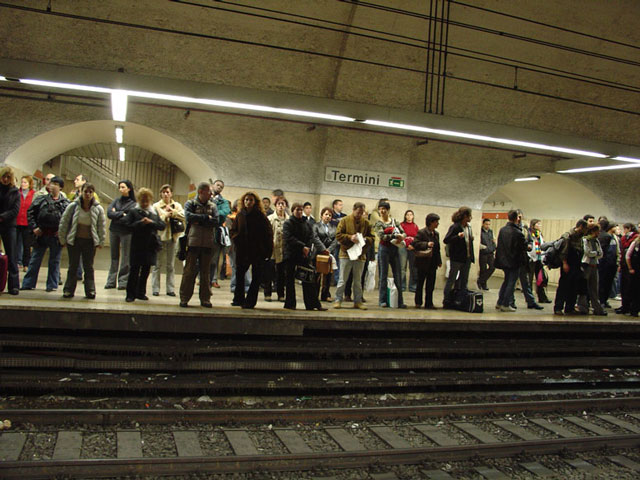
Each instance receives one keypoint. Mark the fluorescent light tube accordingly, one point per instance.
(597, 169)
(527, 179)
(121, 153)
(627, 159)
(3, 79)
(66, 86)
(119, 105)
(119, 134)
(484, 138)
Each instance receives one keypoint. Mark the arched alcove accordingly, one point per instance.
(32, 154)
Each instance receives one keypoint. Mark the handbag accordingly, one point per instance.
(183, 245)
(305, 274)
(176, 225)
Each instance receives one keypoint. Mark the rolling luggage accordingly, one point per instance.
(465, 301)
(4, 266)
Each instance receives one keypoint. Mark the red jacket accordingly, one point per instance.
(25, 203)
(625, 241)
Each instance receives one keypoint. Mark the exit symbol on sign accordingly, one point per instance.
(396, 182)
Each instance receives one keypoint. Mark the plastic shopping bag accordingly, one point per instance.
(370, 277)
(392, 293)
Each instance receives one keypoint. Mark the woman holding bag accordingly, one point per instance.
(428, 259)
(391, 237)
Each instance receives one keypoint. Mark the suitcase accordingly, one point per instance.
(4, 267)
(465, 301)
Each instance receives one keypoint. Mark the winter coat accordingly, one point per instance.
(327, 238)
(458, 245)
(202, 220)
(277, 224)
(45, 213)
(592, 251)
(609, 250)
(252, 237)
(178, 213)
(487, 240)
(298, 234)
(25, 203)
(122, 206)
(69, 223)
(346, 228)
(144, 238)
(224, 208)
(9, 206)
(420, 242)
(511, 252)
(411, 230)
(382, 231)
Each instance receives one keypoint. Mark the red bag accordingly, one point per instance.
(4, 266)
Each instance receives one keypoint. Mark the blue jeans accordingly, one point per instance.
(31, 277)
(408, 257)
(505, 297)
(389, 256)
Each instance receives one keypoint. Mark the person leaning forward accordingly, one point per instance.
(346, 232)
(201, 215)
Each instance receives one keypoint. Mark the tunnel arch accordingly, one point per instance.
(31, 155)
(554, 196)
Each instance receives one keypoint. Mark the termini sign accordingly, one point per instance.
(363, 177)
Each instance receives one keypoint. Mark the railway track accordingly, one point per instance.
(217, 442)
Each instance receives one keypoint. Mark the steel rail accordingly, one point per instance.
(253, 416)
(292, 462)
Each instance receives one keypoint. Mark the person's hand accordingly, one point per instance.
(410, 247)
(565, 267)
(324, 252)
(37, 232)
(354, 237)
(632, 271)
(439, 265)
(99, 247)
(430, 244)
(113, 209)
(305, 251)
(461, 234)
(146, 220)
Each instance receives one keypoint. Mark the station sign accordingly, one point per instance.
(364, 177)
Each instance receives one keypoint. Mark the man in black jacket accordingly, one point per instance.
(511, 254)
(487, 254)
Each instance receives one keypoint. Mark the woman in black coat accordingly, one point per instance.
(427, 238)
(299, 239)
(144, 222)
(9, 208)
(326, 233)
(253, 244)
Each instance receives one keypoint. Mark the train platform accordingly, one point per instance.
(38, 309)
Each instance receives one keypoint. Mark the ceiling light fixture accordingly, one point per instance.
(532, 178)
(484, 138)
(3, 79)
(121, 154)
(119, 134)
(119, 100)
(66, 86)
(627, 159)
(597, 169)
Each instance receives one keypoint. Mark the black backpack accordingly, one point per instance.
(552, 255)
(50, 213)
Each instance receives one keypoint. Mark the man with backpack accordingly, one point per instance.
(571, 276)
(44, 216)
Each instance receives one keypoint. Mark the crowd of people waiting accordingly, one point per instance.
(272, 245)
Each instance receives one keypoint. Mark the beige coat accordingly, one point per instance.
(278, 241)
(178, 212)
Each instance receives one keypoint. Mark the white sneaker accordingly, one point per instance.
(507, 309)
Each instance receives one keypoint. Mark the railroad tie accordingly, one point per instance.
(435, 435)
(620, 423)
(347, 442)
(491, 473)
(241, 442)
(292, 441)
(537, 469)
(390, 437)
(383, 476)
(11, 444)
(582, 466)
(68, 446)
(517, 430)
(129, 444)
(476, 432)
(187, 443)
(591, 427)
(554, 428)
(625, 462)
(437, 475)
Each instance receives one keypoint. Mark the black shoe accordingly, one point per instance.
(402, 306)
(601, 314)
(26, 288)
(142, 297)
(90, 296)
(267, 299)
(431, 307)
(234, 304)
(535, 306)
(156, 294)
(184, 304)
(558, 312)
(171, 294)
(206, 304)
(619, 310)
(248, 307)
(108, 287)
(14, 291)
(513, 306)
(50, 290)
(130, 299)
(67, 295)
(607, 305)
(321, 309)
(281, 299)
(289, 308)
